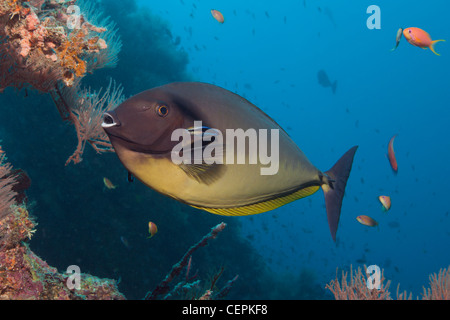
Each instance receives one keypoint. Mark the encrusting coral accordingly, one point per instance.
(50, 46)
(24, 275)
(46, 40)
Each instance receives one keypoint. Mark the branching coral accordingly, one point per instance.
(439, 286)
(104, 58)
(84, 109)
(24, 275)
(357, 288)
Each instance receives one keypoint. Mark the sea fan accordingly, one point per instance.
(85, 108)
(6, 183)
(108, 57)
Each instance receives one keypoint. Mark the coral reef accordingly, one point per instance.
(439, 286)
(24, 275)
(84, 109)
(45, 41)
(50, 46)
(357, 288)
(69, 201)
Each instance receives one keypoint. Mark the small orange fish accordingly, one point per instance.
(152, 229)
(419, 38)
(391, 155)
(386, 202)
(218, 16)
(108, 183)
(367, 221)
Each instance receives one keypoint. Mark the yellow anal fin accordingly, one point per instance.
(264, 206)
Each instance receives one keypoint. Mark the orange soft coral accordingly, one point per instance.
(42, 38)
(69, 53)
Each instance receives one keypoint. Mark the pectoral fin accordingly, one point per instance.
(204, 173)
(130, 177)
(206, 155)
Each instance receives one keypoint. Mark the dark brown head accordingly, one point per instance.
(145, 122)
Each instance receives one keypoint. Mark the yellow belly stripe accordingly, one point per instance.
(264, 206)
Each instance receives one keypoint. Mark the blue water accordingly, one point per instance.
(270, 53)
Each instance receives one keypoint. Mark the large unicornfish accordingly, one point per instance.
(140, 130)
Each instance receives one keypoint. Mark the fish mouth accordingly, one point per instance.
(110, 121)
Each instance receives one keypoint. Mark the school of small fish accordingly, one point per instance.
(384, 200)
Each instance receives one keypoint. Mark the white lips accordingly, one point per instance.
(108, 125)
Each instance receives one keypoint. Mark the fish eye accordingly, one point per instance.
(162, 110)
(409, 31)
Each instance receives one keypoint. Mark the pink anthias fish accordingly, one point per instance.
(108, 184)
(386, 202)
(391, 155)
(367, 221)
(152, 229)
(218, 16)
(420, 38)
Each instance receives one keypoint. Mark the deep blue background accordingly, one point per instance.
(270, 52)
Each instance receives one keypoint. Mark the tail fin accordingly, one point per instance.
(333, 87)
(334, 188)
(432, 46)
